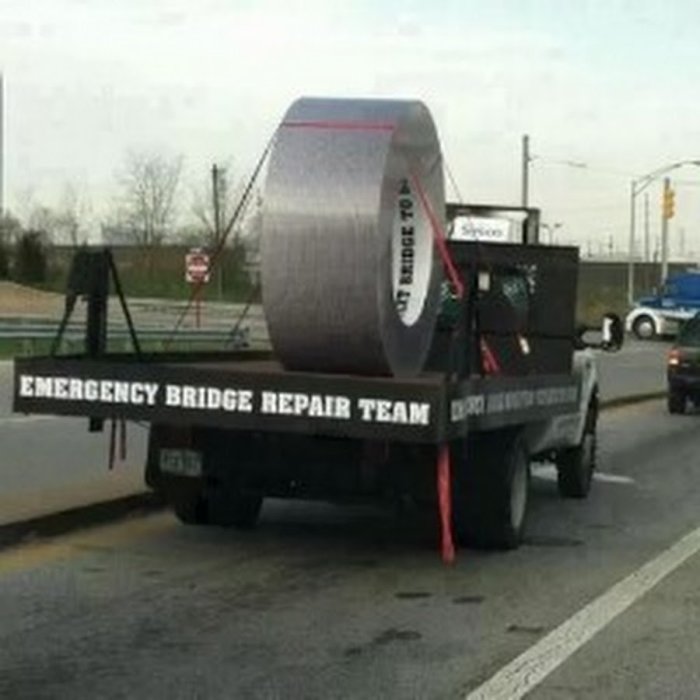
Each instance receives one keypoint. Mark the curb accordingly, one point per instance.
(106, 512)
(622, 401)
(93, 515)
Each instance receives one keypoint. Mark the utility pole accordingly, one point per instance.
(215, 189)
(525, 186)
(647, 242)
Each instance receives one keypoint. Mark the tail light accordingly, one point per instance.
(674, 358)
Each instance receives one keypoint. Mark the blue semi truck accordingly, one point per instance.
(661, 313)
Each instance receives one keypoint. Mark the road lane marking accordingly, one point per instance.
(612, 478)
(548, 472)
(528, 670)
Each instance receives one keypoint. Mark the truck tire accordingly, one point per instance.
(490, 492)
(230, 506)
(575, 466)
(224, 505)
(186, 500)
(676, 401)
(644, 327)
(191, 511)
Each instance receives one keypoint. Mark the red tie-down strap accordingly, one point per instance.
(491, 364)
(440, 239)
(444, 476)
(444, 490)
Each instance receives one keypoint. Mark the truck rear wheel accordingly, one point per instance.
(229, 505)
(491, 491)
(185, 496)
(191, 511)
(575, 466)
(215, 504)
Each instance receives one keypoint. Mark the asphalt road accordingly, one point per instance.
(639, 368)
(50, 464)
(325, 602)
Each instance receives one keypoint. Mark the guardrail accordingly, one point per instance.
(31, 331)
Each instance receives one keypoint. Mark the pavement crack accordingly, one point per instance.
(412, 595)
(384, 638)
(469, 600)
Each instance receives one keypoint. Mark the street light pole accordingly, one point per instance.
(630, 262)
(525, 182)
(647, 243)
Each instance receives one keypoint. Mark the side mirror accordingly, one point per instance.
(613, 333)
(609, 336)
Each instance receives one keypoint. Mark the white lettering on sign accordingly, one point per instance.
(197, 266)
(556, 395)
(192, 397)
(284, 403)
(510, 401)
(397, 412)
(91, 390)
(474, 405)
(209, 398)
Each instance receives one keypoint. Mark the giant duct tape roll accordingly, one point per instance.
(353, 199)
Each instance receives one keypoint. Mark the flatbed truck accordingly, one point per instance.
(509, 380)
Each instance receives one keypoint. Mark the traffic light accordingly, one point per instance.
(669, 202)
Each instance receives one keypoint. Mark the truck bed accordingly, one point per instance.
(252, 391)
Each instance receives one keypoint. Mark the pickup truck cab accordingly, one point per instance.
(660, 313)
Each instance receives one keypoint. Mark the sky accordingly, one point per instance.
(606, 90)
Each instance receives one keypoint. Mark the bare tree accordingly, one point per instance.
(62, 224)
(44, 219)
(10, 232)
(73, 209)
(149, 184)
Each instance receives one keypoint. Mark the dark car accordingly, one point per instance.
(684, 367)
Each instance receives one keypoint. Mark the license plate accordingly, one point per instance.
(181, 462)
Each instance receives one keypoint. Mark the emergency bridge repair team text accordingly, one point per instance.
(208, 398)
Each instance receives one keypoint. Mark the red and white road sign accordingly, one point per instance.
(197, 266)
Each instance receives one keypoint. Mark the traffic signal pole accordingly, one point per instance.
(666, 213)
(637, 186)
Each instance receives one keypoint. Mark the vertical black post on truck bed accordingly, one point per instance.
(89, 278)
(122, 301)
(97, 290)
(462, 348)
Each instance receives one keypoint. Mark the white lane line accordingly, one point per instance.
(529, 669)
(612, 478)
(548, 472)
